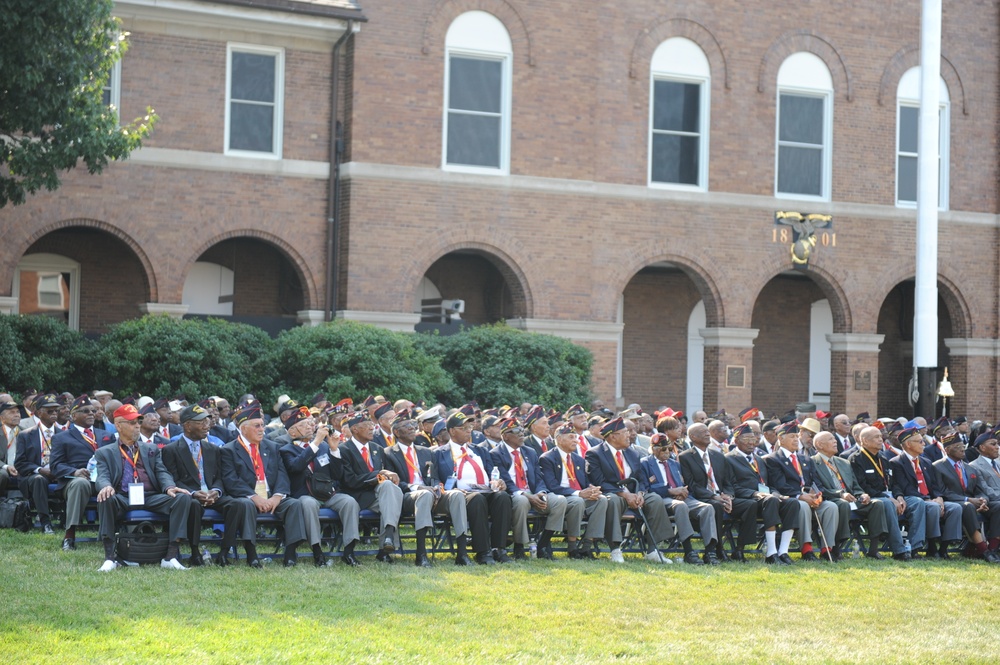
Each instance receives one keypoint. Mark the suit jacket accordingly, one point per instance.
(550, 465)
(602, 470)
(932, 453)
(395, 461)
(871, 481)
(988, 476)
(4, 457)
(652, 469)
(297, 459)
(783, 477)
(70, 451)
(829, 483)
(239, 477)
(696, 479)
(379, 438)
(158, 440)
(181, 465)
(533, 442)
(904, 478)
(745, 479)
(951, 484)
(110, 467)
(223, 433)
(357, 480)
(502, 459)
(29, 452)
(840, 443)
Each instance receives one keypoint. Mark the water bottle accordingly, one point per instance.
(205, 556)
(92, 469)
(532, 546)
(906, 545)
(495, 474)
(856, 550)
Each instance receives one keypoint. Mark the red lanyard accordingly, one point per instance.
(134, 461)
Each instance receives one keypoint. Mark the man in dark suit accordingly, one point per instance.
(538, 425)
(196, 466)
(519, 470)
(10, 417)
(942, 430)
(372, 485)
(133, 474)
(422, 493)
(709, 479)
(71, 453)
(252, 469)
(616, 468)
(468, 468)
(750, 482)
(167, 429)
(986, 463)
(842, 432)
(33, 460)
(962, 485)
(564, 473)
(314, 474)
(149, 427)
(790, 473)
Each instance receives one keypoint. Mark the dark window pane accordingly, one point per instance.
(474, 85)
(676, 106)
(801, 119)
(252, 77)
(906, 179)
(473, 140)
(675, 159)
(106, 97)
(909, 118)
(800, 171)
(251, 127)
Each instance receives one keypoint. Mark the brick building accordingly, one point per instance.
(607, 172)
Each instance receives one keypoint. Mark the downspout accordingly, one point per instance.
(333, 197)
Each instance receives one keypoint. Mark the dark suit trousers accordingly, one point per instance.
(744, 516)
(489, 520)
(234, 515)
(112, 510)
(773, 511)
(36, 487)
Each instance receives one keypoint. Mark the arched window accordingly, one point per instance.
(477, 92)
(48, 285)
(804, 128)
(907, 123)
(679, 115)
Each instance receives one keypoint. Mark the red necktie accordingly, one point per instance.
(710, 472)
(620, 461)
(467, 459)
(411, 464)
(666, 474)
(165, 431)
(545, 448)
(520, 478)
(795, 463)
(364, 456)
(571, 473)
(921, 481)
(258, 463)
(582, 445)
(88, 434)
(961, 476)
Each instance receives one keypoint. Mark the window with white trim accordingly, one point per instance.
(679, 115)
(907, 125)
(111, 92)
(254, 96)
(477, 95)
(48, 285)
(804, 136)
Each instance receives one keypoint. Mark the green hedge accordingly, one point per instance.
(161, 356)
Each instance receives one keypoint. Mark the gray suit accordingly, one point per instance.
(989, 475)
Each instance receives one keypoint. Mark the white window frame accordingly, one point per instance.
(806, 90)
(279, 97)
(52, 263)
(505, 57)
(114, 87)
(42, 276)
(704, 119)
(944, 141)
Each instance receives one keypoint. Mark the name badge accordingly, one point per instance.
(854, 505)
(869, 470)
(136, 497)
(761, 487)
(261, 489)
(323, 459)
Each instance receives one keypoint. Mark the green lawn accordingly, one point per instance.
(58, 609)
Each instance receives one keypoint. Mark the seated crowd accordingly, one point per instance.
(496, 473)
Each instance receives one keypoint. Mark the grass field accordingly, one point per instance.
(58, 609)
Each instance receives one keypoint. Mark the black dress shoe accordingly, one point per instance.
(47, 529)
(722, 556)
(69, 544)
(712, 559)
(350, 560)
(291, 563)
(500, 556)
(902, 556)
(463, 560)
(809, 556)
(195, 560)
(991, 556)
(837, 554)
(875, 555)
(692, 558)
(485, 559)
(255, 563)
(223, 560)
(388, 547)
(319, 560)
(545, 552)
(785, 559)
(738, 557)
(772, 560)
(422, 561)
(384, 556)
(519, 554)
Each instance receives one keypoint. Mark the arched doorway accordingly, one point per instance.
(895, 358)
(246, 280)
(659, 305)
(86, 277)
(487, 288)
(791, 355)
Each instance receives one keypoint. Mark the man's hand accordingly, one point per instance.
(590, 493)
(390, 476)
(105, 494)
(44, 472)
(727, 502)
(203, 497)
(174, 491)
(865, 499)
(537, 502)
(901, 505)
(11, 471)
(632, 500)
(849, 498)
(679, 493)
(260, 504)
(272, 503)
(82, 473)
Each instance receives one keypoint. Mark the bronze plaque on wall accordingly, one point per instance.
(736, 376)
(862, 380)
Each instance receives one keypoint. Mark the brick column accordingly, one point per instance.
(972, 371)
(728, 368)
(854, 372)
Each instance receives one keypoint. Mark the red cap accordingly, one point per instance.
(126, 411)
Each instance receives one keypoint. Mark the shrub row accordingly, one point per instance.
(157, 355)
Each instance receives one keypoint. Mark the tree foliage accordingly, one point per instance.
(55, 58)
(42, 353)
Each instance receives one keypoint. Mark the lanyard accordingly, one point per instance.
(133, 460)
(876, 463)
